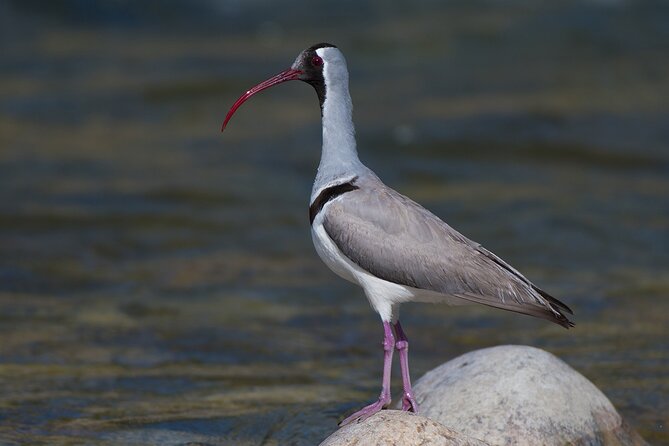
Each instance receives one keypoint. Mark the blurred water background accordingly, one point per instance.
(158, 284)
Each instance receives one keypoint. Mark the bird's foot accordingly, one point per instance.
(367, 411)
(409, 402)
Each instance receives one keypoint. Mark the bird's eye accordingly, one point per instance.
(316, 61)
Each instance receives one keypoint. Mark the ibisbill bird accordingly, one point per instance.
(391, 246)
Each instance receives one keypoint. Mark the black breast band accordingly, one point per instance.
(327, 194)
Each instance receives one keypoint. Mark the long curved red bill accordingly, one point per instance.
(286, 75)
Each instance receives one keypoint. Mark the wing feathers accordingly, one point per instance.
(398, 240)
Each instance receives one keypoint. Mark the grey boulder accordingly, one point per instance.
(519, 395)
(396, 428)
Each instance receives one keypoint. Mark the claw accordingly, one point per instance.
(367, 411)
(409, 402)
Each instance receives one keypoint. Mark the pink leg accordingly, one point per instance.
(402, 346)
(384, 398)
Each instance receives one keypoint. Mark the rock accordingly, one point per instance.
(518, 395)
(396, 428)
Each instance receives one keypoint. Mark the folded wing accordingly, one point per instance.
(398, 240)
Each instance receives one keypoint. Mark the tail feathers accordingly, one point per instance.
(561, 319)
(556, 304)
(558, 307)
(553, 312)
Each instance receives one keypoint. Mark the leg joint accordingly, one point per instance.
(388, 343)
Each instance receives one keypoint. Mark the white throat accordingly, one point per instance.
(339, 156)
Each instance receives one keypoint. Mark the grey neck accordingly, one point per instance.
(339, 156)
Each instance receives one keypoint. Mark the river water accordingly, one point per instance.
(157, 279)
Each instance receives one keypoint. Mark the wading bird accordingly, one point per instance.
(395, 249)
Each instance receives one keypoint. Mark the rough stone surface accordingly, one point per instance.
(396, 428)
(519, 395)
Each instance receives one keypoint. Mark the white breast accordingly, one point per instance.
(382, 295)
(330, 254)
